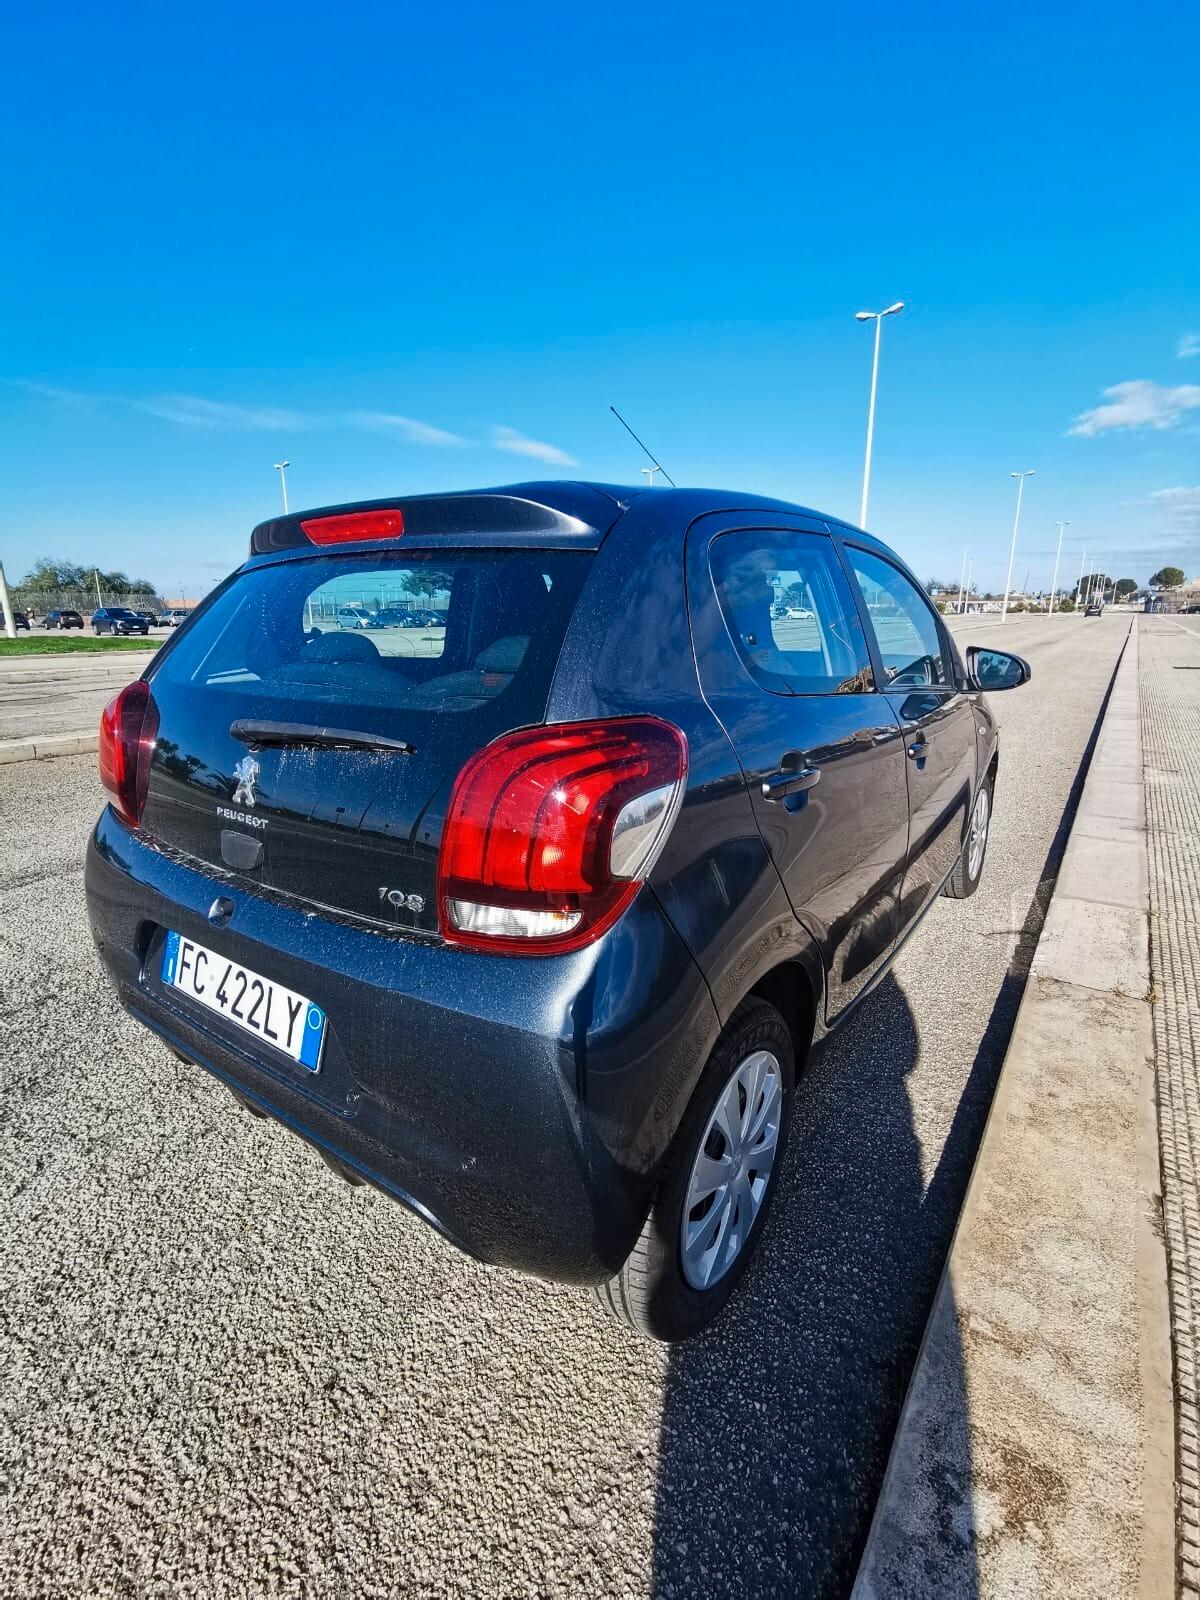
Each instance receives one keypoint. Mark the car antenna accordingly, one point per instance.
(655, 465)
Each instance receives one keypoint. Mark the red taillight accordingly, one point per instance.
(128, 730)
(550, 832)
(354, 525)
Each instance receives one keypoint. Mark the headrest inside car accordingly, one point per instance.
(505, 655)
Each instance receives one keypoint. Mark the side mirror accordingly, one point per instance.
(996, 669)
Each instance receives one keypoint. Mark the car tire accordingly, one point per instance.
(968, 869)
(656, 1292)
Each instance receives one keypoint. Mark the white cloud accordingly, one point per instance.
(1182, 506)
(49, 392)
(518, 445)
(193, 411)
(407, 427)
(1189, 346)
(1138, 404)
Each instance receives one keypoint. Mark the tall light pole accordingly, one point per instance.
(1079, 585)
(650, 471)
(876, 317)
(10, 626)
(962, 576)
(281, 468)
(1057, 556)
(1012, 549)
(967, 590)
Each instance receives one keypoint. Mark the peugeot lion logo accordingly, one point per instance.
(246, 772)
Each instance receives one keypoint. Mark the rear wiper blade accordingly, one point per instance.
(304, 736)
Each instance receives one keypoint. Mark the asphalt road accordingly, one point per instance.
(223, 1372)
(64, 693)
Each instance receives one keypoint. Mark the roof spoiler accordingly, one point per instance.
(566, 516)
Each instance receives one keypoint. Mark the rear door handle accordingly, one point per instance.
(793, 777)
(918, 749)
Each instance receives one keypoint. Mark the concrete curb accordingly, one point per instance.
(1035, 1449)
(46, 746)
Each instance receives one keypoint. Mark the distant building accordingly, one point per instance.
(1177, 599)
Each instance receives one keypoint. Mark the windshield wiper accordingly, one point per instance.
(303, 736)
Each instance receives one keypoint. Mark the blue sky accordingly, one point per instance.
(415, 248)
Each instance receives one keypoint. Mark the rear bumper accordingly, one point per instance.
(521, 1106)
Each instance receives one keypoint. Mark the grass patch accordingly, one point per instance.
(67, 644)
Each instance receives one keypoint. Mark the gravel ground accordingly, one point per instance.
(224, 1373)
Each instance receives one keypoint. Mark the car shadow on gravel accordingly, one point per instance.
(777, 1424)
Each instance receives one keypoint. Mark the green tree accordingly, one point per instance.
(423, 580)
(1167, 578)
(1127, 586)
(117, 583)
(1065, 604)
(47, 575)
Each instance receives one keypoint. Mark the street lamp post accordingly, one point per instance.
(876, 317)
(1012, 549)
(281, 468)
(1057, 556)
(962, 576)
(10, 626)
(1079, 585)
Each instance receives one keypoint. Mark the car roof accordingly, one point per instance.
(557, 513)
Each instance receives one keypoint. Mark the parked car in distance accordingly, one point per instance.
(63, 619)
(150, 618)
(390, 617)
(118, 620)
(354, 617)
(173, 616)
(20, 620)
(1191, 611)
(535, 930)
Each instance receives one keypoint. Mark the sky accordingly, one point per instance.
(412, 248)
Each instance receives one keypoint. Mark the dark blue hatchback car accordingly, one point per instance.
(529, 916)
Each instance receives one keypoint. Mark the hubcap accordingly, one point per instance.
(977, 838)
(732, 1169)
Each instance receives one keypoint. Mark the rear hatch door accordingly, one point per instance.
(312, 719)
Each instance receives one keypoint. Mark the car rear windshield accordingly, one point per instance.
(390, 639)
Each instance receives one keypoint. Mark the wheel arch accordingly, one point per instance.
(795, 987)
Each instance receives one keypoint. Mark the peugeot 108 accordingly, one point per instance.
(531, 919)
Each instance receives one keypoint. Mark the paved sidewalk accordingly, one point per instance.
(1170, 708)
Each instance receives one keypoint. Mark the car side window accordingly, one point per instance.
(906, 630)
(789, 612)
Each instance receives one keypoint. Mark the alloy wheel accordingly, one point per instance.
(732, 1170)
(977, 837)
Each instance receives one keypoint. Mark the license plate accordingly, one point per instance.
(254, 1004)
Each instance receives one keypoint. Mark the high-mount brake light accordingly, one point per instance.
(128, 731)
(351, 526)
(551, 832)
